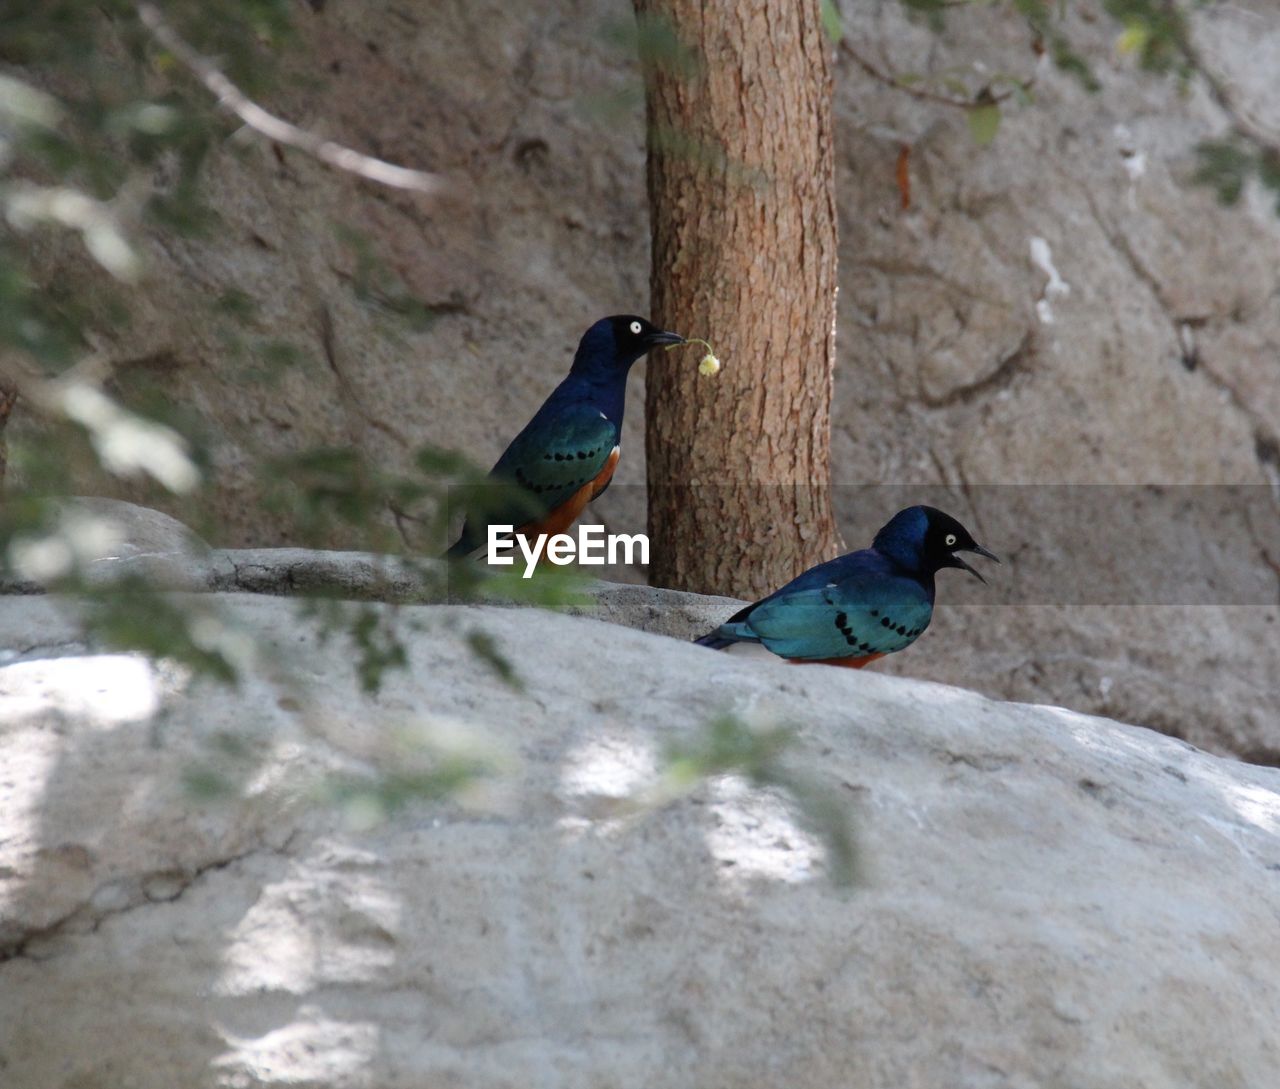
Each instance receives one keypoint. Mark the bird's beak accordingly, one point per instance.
(656, 340)
(981, 552)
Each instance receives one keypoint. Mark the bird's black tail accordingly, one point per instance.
(460, 549)
(714, 640)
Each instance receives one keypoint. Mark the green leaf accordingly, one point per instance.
(1224, 167)
(1071, 62)
(1134, 38)
(831, 21)
(932, 10)
(484, 648)
(984, 121)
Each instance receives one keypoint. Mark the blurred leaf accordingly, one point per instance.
(1073, 63)
(1269, 172)
(439, 462)
(1133, 39)
(28, 205)
(831, 21)
(152, 119)
(378, 645)
(129, 615)
(728, 746)
(206, 784)
(933, 11)
(129, 444)
(484, 648)
(375, 284)
(370, 800)
(1224, 166)
(236, 304)
(277, 354)
(1036, 12)
(654, 40)
(984, 122)
(21, 104)
(1153, 31)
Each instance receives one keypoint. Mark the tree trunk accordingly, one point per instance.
(742, 201)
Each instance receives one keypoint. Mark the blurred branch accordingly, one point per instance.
(984, 97)
(277, 129)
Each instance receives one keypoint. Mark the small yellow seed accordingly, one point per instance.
(709, 364)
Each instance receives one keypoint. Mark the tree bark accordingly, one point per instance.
(742, 202)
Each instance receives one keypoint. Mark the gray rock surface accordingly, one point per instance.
(1049, 898)
(1157, 367)
(969, 645)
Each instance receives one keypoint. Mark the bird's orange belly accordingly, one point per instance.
(849, 663)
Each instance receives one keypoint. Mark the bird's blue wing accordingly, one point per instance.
(871, 613)
(563, 448)
(559, 452)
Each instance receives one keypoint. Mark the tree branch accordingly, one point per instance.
(984, 97)
(277, 129)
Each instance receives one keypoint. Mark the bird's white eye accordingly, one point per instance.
(636, 327)
(950, 540)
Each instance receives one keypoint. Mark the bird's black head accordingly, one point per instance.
(617, 342)
(925, 539)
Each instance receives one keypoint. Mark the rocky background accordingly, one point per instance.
(1044, 898)
(1147, 356)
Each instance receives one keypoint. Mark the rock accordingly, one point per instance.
(111, 541)
(968, 644)
(665, 612)
(134, 530)
(351, 575)
(1042, 892)
(105, 541)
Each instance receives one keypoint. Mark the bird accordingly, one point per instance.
(567, 453)
(863, 605)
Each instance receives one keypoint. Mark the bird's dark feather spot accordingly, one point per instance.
(885, 622)
(902, 629)
(875, 612)
(841, 620)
